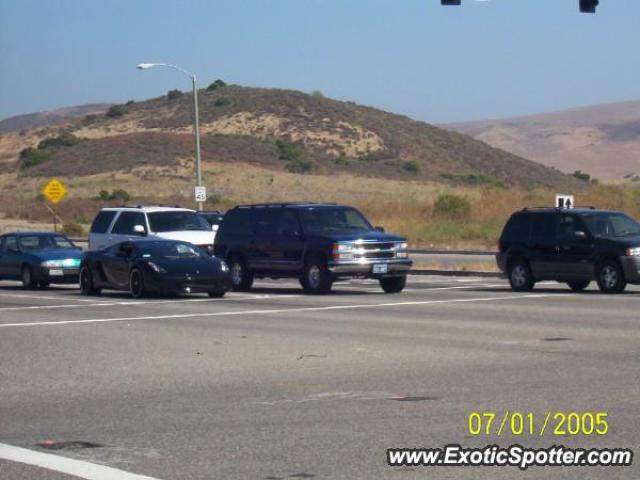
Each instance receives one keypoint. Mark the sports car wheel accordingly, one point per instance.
(86, 282)
(136, 284)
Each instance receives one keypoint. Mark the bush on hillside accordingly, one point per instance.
(452, 206)
(299, 166)
(63, 140)
(72, 229)
(116, 111)
(412, 166)
(221, 102)
(174, 94)
(30, 157)
(117, 194)
(216, 85)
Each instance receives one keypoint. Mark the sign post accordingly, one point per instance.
(54, 191)
(201, 194)
(564, 200)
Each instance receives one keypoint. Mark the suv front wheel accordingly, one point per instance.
(610, 277)
(241, 278)
(316, 277)
(520, 277)
(393, 284)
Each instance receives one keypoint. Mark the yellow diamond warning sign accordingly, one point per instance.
(54, 190)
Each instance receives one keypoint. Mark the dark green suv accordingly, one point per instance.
(575, 246)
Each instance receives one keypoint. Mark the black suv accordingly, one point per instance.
(317, 243)
(574, 246)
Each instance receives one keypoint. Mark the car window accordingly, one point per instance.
(174, 221)
(236, 222)
(288, 222)
(543, 228)
(611, 225)
(567, 227)
(170, 250)
(126, 221)
(10, 244)
(333, 220)
(102, 221)
(37, 242)
(517, 229)
(265, 220)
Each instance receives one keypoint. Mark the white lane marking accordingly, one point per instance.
(45, 297)
(272, 311)
(149, 302)
(70, 466)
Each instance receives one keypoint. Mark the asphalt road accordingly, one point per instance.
(274, 384)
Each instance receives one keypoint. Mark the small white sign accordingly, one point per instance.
(565, 201)
(201, 194)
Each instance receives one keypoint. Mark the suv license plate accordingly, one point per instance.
(380, 268)
(56, 273)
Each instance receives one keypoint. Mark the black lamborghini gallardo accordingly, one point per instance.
(154, 266)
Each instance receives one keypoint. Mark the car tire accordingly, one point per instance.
(86, 282)
(217, 294)
(578, 285)
(241, 278)
(136, 284)
(520, 277)
(393, 284)
(316, 278)
(610, 277)
(28, 281)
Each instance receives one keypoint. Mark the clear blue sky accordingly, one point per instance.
(482, 60)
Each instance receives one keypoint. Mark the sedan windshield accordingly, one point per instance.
(170, 250)
(611, 225)
(176, 221)
(322, 221)
(39, 242)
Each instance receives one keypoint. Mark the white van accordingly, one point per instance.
(115, 225)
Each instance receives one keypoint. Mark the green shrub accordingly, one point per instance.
(63, 140)
(290, 152)
(317, 94)
(174, 94)
(412, 166)
(216, 85)
(452, 206)
(30, 157)
(120, 194)
(130, 102)
(342, 160)
(585, 177)
(116, 111)
(72, 229)
(221, 102)
(299, 166)
(104, 195)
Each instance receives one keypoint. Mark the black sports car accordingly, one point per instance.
(159, 266)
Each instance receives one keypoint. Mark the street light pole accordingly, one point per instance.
(196, 116)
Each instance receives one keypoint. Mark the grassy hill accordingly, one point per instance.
(51, 117)
(281, 130)
(601, 140)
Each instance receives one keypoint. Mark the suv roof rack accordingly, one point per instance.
(284, 204)
(559, 209)
(150, 205)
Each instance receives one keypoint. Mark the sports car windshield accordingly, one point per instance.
(321, 221)
(176, 221)
(170, 250)
(39, 242)
(611, 225)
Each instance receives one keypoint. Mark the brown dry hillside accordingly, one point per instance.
(276, 129)
(603, 140)
(50, 117)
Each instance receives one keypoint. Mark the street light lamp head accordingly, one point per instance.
(145, 66)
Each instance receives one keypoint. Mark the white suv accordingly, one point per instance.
(114, 225)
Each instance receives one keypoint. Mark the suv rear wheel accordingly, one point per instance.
(520, 277)
(393, 284)
(316, 277)
(578, 285)
(241, 278)
(610, 277)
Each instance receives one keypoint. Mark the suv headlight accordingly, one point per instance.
(633, 252)
(156, 267)
(401, 250)
(343, 251)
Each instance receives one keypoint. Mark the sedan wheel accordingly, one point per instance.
(28, 281)
(611, 278)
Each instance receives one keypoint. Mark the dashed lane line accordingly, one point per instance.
(70, 466)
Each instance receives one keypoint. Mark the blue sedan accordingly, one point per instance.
(39, 258)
